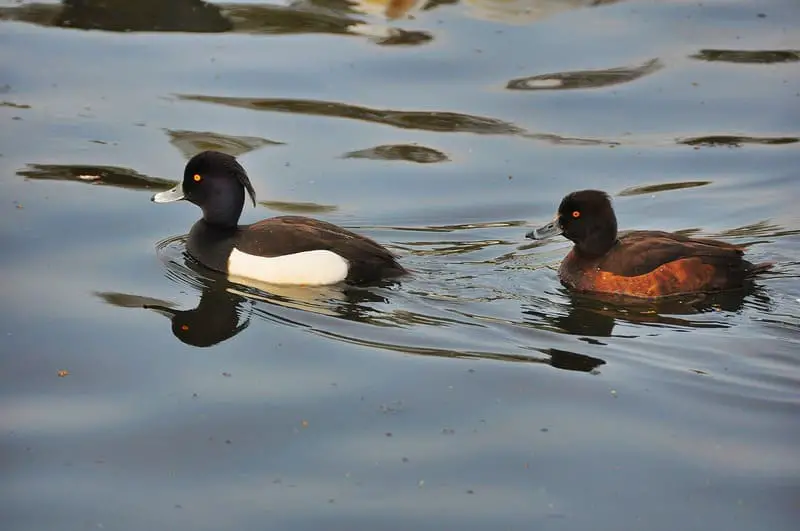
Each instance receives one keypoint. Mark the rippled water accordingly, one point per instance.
(139, 391)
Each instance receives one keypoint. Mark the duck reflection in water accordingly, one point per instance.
(334, 17)
(143, 15)
(225, 308)
(596, 316)
(219, 316)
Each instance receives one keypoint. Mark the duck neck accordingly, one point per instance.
(594, 249)
(224, 212)
(598, 241)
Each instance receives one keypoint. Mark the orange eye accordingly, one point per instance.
(576, 214)
(197, 177)
(184, 327)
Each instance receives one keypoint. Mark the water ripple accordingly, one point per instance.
(95, 174)
(737, 141)
(406, 152)
(583, 79)
(225, 309)
(748, 56)
(192, 142)
(664, 187)
(197, 16)
(435, 121)
(390, 316)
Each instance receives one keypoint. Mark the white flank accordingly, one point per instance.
(310, 268)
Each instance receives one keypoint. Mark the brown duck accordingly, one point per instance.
(643, 264)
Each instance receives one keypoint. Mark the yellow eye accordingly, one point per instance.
(576, 214)
(197, 177)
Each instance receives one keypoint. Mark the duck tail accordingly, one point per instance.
(757, 269)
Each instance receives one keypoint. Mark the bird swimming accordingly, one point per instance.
(281, 250)
(644, 264)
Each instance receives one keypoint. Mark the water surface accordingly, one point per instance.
(476, 393)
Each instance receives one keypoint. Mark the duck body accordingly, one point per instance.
(281, 250)
(291, 250)
(654, 264)
(640, 264)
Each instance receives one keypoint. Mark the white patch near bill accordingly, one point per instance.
(310, 268)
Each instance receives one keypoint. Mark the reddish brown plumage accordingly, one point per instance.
(685, 275)
(644, 264)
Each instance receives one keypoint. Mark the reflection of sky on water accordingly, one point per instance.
(476, 394)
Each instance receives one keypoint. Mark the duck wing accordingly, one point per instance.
(284, 235)
(640, 252)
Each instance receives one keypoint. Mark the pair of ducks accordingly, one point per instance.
(300, 250)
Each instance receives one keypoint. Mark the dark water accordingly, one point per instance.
(476, 394)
